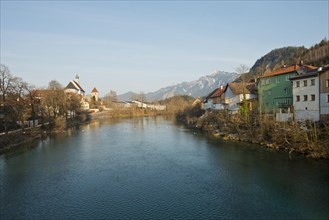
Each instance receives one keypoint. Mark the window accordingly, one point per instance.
(269, 92)
(305, 98)
(327, 98)
(268, 81)
(305, 82)
(297, 98)
(312, 82)
(277, 80)
(312, 97)
(287, 78)
(327, 83)
(297, 83)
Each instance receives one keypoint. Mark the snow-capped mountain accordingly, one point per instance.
(201, 87)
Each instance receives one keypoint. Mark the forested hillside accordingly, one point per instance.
(317, 55)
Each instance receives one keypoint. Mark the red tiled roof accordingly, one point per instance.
(288, 69)
(94, 90)
(218, 92)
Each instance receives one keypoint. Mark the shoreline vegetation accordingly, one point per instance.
(21, 137)
(308, 139)
(60, 121)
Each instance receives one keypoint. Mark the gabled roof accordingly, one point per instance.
(310, 73)
(214, 92)
(94, 90)
(307, 74)
(210, 94)
(242, 88)
(74, 85)
(218, 92)
(288, 69)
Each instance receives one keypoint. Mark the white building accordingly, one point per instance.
(236, 92)
(74, 87)
(85, 105)
(305, 90)
(216, 99)
(150, 106)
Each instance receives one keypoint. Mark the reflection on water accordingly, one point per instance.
(150, 168)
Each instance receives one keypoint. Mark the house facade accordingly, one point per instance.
(275, 88)
(236, 93)
(305, 90)
(216, 99)
(324, 93)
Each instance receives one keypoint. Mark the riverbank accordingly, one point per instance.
(14, 140)
(125, 113)
(308, 139)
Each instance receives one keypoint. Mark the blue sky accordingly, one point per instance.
(142, 46)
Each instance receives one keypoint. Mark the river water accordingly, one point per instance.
(150, 168)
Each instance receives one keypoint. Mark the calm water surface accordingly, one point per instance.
(150, 168)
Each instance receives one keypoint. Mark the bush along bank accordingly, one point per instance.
(305, 138)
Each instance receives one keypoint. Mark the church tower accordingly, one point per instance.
(95, 94)
(77, 79)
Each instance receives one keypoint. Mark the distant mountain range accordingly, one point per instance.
(201, 87)
(317, 55)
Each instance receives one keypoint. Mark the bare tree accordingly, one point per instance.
(54, 99)
(6, 87)
(32, 101)
(111, 96)
(72, 103)
(242, 70)
(55, 85)
(19, 103)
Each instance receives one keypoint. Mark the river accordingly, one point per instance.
(151, 168)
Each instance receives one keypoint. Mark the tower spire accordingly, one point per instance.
(77, 78)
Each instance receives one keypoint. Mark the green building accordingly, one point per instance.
(275, 88)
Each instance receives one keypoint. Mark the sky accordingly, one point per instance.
(143, 46)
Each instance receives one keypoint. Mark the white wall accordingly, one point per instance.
(306, 110)
(232, 99)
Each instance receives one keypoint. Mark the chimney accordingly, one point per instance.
(221, 87)
(301, 62)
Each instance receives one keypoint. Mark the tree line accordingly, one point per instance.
(21, 101)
